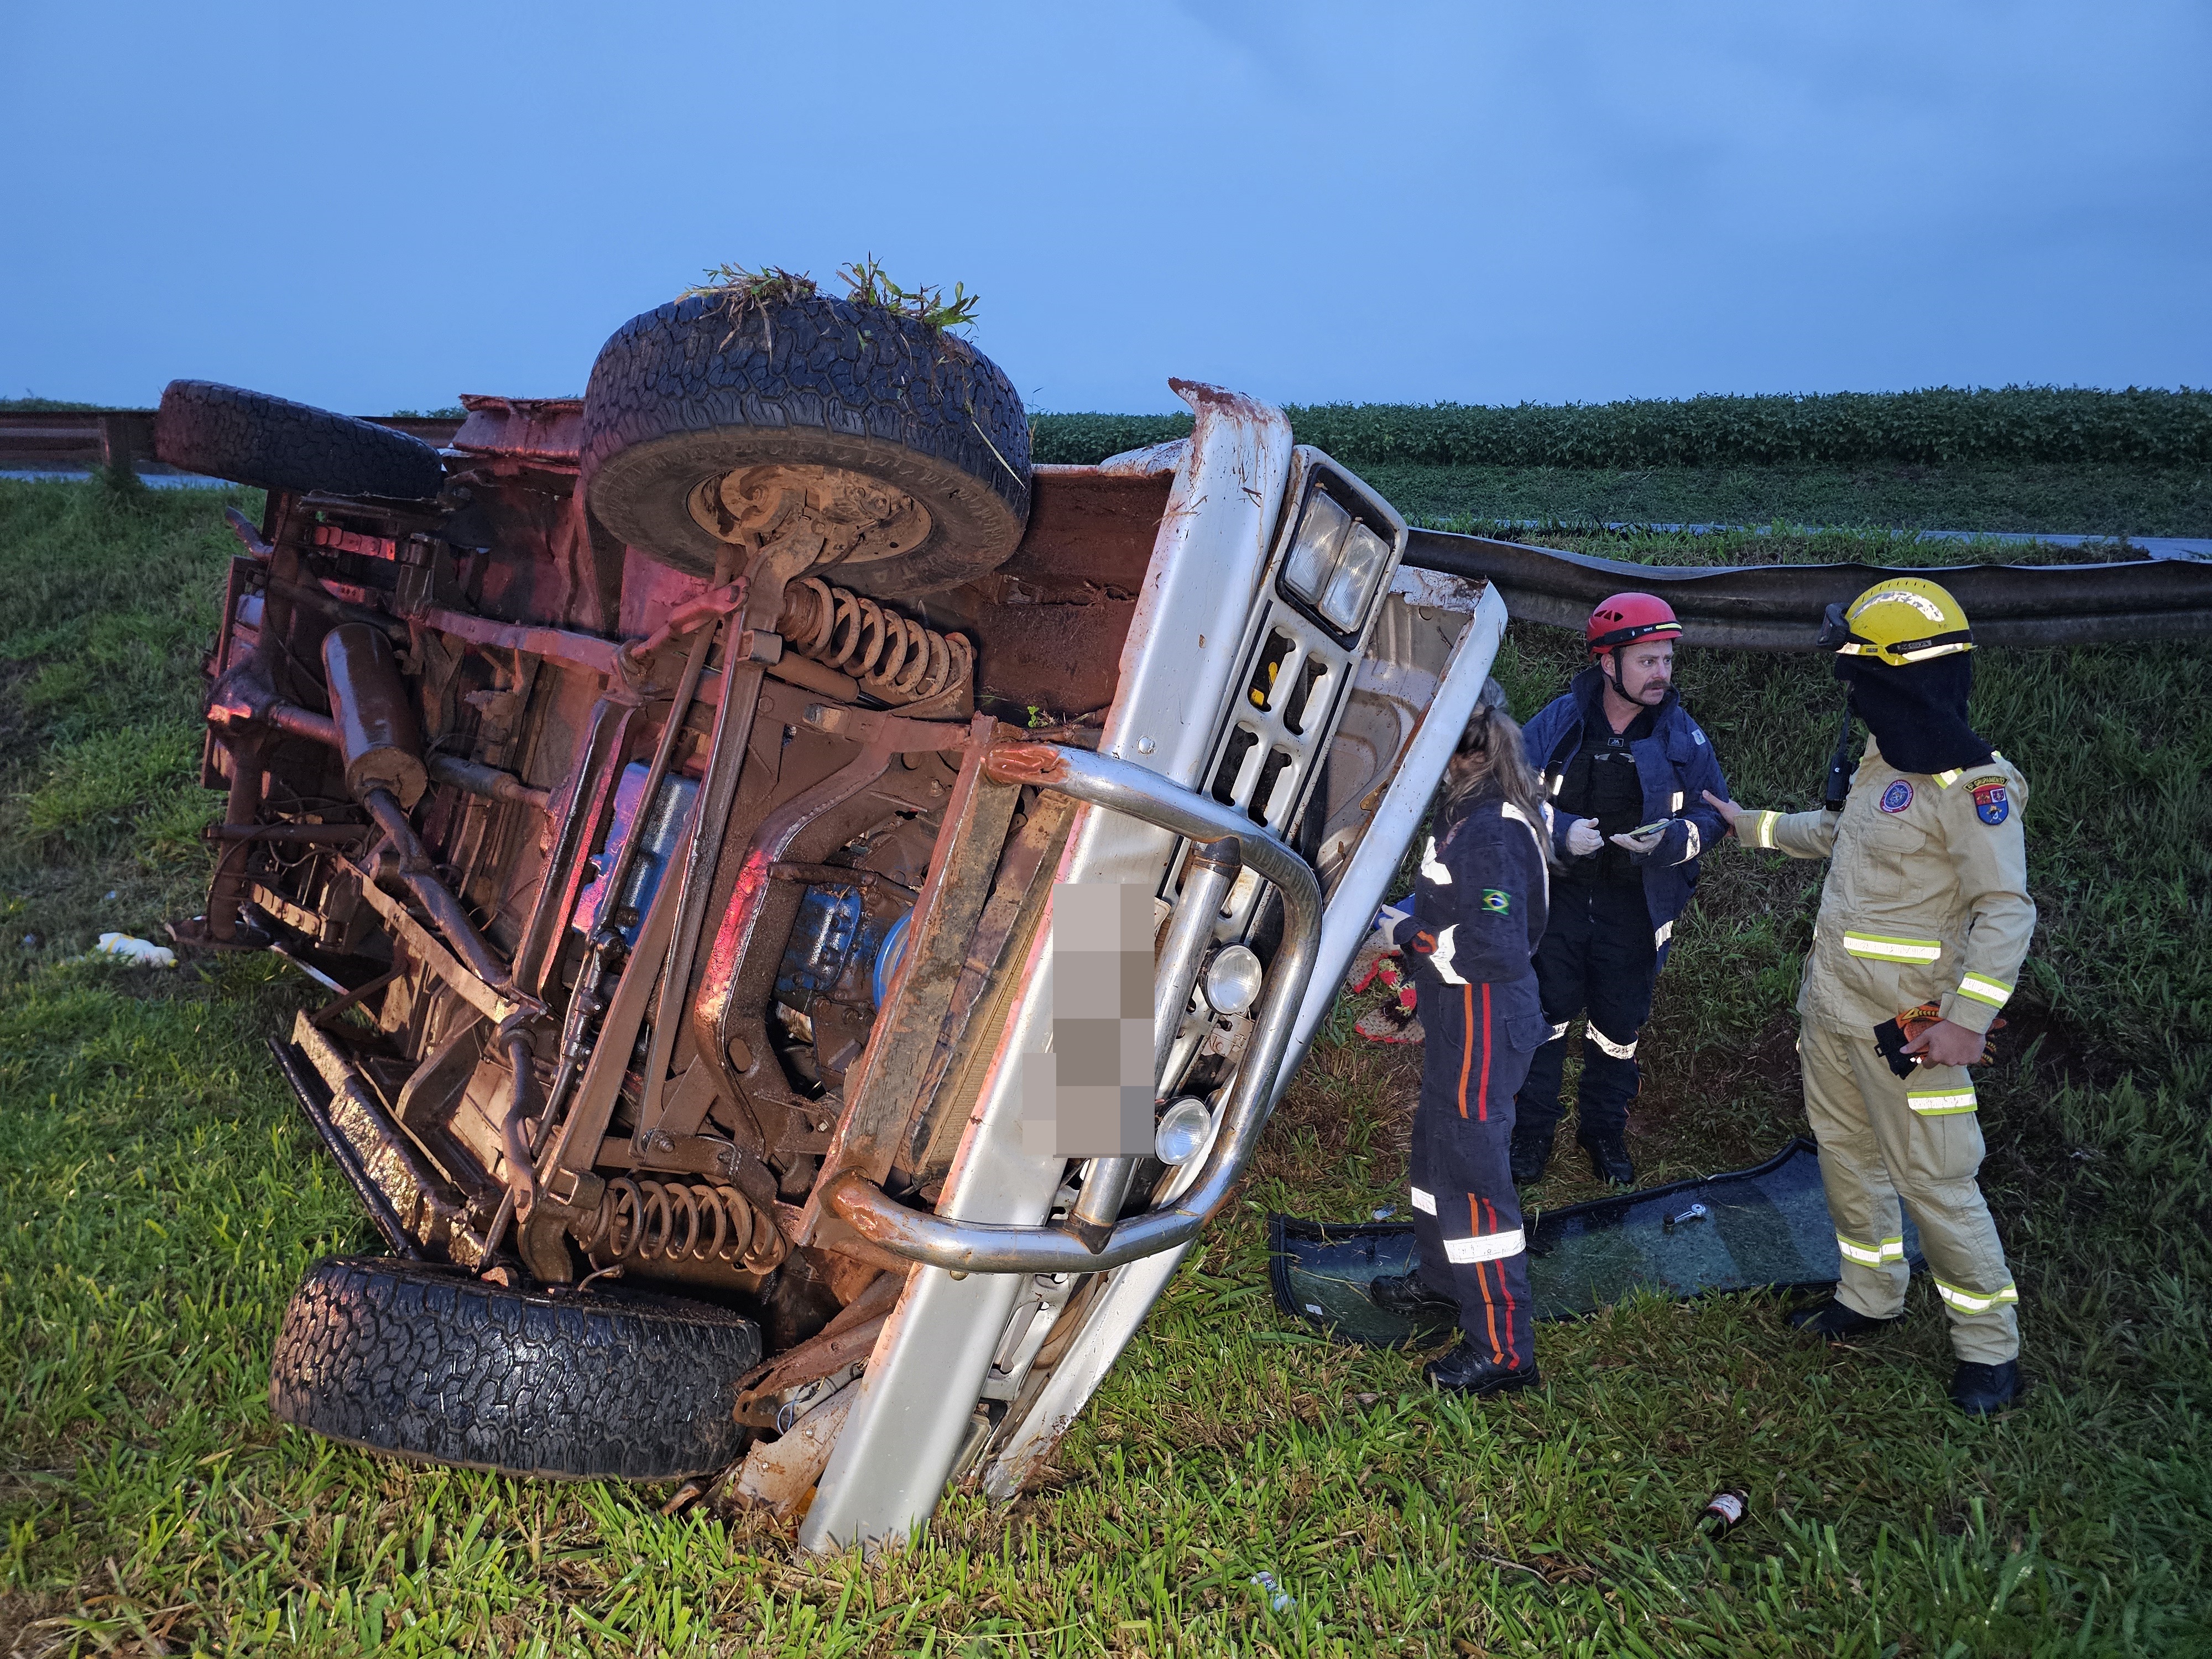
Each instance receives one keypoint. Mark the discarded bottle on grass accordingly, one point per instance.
(1722, 1511)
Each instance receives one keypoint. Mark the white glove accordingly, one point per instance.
(1388, 921)
(1640, 845)
(1582, 838)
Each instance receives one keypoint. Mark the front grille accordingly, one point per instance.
(1291, 686)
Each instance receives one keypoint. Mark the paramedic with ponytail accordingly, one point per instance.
(1482, 897)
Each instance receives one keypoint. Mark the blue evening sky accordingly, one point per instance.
(380, 206)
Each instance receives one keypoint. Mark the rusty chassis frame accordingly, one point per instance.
(963, 1247)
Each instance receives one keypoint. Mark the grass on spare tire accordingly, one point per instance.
(680, 396)
(161, 1198)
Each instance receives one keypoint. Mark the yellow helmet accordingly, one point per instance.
(1901, 621)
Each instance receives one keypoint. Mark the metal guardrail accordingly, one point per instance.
(1778, 607)
(1774, 607)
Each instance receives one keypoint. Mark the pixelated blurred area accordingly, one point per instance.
(1091, 1094)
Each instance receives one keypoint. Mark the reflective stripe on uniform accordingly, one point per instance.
(1558, 1031)
(1761, 832)
(1982, 988)
(1665, 932)
(1940, 1103)
(1677, 806)
(1425, 1202)
(1440, 958)
(1871, 1255)
(1974, 1301)
(1618, 1050)
(1884, 947)
(1492, 1246)
(1690, 850)
(1541, 832)
(1432, 866)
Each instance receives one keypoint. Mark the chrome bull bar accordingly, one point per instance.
(965, 1247)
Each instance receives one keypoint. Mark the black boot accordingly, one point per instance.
(1465, 1370)
(1978, 1389)
(1608, 1157)
(1529, 1155)
(1408, 1296)
(1831, 1321)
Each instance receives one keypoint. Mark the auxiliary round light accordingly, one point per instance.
(1232, 980)
(1183, 1130)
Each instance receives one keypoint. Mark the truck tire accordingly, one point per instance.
(427, 1362)
(684, 395)
(252, 437)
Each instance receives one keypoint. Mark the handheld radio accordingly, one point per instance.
(1840, 766)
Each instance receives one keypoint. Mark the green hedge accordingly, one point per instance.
(1846, 429)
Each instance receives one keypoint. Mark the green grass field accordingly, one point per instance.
(160, 1196)
(2070, 499)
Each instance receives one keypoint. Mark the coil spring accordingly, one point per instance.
(645, 1222)
(894, 657)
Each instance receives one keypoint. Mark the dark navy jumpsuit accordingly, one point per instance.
(1614, 914)
(1483, 895)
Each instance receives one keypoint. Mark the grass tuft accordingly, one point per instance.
(867, 283)
(744, 291)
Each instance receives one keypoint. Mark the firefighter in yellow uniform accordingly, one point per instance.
(1925, 902)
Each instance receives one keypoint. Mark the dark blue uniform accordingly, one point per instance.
(1482, 900)
(1614, 913)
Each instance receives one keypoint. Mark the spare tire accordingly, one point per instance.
(252, 437)
(694, 393)
(428, 1361)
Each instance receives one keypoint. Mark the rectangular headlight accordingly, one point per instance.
(1335, 562)
(1314, 548)
(1359, 568)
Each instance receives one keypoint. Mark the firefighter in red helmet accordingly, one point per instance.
(1627, 770)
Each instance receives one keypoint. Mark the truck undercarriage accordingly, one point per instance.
(671, 786)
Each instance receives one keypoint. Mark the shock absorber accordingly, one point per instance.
(648, 1223)
(894, 657)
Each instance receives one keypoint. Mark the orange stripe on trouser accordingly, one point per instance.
(1505, 1290)
(1465, 1047)
(1466, 1053)
(1505, 1352)
(1482, 1279)
(1461, 1146)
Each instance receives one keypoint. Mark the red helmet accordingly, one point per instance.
(1627, 616)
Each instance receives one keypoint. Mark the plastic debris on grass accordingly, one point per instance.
(1281, 1599)
(140, 953)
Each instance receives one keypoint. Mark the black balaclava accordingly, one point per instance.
(1917, 714)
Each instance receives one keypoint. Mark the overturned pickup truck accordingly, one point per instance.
(673, 788)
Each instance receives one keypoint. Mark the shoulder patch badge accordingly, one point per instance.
(1991, 804)
(1497, 900)
(1899, 796)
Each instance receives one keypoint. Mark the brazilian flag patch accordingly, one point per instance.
(1497, 900)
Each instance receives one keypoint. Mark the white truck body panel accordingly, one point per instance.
(917, 1397)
